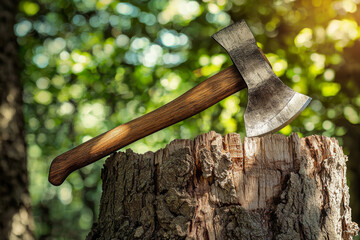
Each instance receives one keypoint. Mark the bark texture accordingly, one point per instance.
(16, 220)
(215, 187)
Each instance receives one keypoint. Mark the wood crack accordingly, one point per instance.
(218, 187)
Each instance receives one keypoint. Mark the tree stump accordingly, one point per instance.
(215, 187)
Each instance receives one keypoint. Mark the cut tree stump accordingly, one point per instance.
(215, 187)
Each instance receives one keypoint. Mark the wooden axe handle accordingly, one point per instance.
(204, 95)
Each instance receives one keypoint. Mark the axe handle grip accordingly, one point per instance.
(204, 95)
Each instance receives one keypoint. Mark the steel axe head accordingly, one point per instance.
(271, 104)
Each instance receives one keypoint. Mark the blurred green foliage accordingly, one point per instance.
(91, 65)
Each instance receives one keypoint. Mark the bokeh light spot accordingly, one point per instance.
(22, 28)
(66, 108)
(286, 130)
(186, 10)
(330, 89)
(140, 43)
(171, 82)
(329, 74)
(43, 97)
(127, 9)
(218, 60)
(65, 193)
(43, 83)
(147, 18)
(91, 114)
(172, 59)
(351, 114)
(85, 138)
(304, 38)
(29, 8)
(204, 60)
(34, 151)
(122, 40)
(58, 81)
(56, 46)
(77, 68)
(349, 6)
(309, 126)
(49, 124)
(327, 125)
(168, 39)
(79, 20)
(41, 60)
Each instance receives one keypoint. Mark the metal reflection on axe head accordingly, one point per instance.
(271, 104)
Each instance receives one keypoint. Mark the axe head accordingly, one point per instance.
(271, 104)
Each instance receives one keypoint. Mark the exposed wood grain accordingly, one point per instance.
(206, 94)
(215, 187)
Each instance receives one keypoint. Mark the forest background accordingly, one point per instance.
(88, 66)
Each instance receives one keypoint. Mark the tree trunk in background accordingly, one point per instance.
(16, 220)
(215, 187)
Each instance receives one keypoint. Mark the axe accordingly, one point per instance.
(271, 104)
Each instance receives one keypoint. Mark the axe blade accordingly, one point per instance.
(271, 104)
(275, 113)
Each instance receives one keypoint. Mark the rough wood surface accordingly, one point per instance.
(215, 187)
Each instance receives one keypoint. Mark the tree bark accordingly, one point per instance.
(16, 220)
(215, 187)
